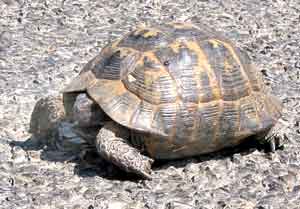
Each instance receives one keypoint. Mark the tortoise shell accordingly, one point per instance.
(187, 89)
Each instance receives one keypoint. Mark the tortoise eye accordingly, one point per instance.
(166, 63)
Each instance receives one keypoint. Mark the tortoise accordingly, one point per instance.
(168, 91)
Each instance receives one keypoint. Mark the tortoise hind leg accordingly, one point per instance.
(113, 145)
(274, 138)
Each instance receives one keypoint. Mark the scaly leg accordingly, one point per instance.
(112, 144)
(87, 113)
(275, 137)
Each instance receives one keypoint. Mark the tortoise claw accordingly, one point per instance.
(145, 168)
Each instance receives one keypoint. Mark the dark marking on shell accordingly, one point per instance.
(118, 64)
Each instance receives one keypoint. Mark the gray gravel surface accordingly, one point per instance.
(45, 43)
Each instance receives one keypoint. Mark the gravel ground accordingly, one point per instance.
(45, 43)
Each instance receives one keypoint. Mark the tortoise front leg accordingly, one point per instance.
(113, 145)
(85, 112)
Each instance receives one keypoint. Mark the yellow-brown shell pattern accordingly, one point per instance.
(192, 91)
